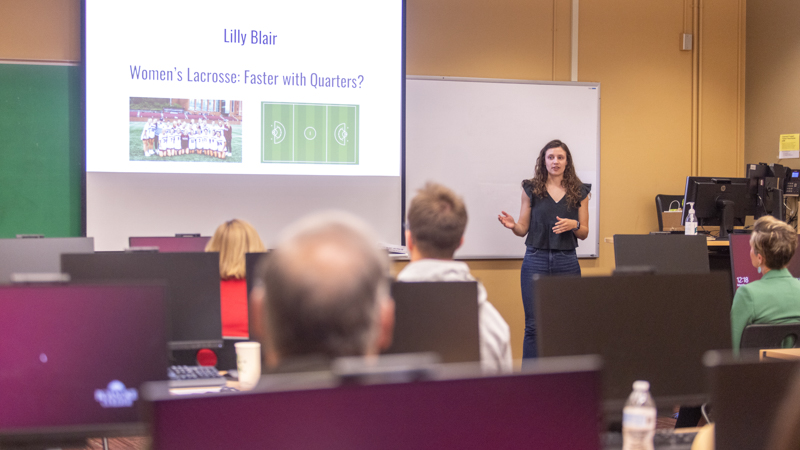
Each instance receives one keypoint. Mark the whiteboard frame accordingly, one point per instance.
(594, 253)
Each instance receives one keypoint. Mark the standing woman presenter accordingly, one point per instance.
(554, 216)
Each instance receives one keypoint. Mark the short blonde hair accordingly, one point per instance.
(775, 240)
(232, 240)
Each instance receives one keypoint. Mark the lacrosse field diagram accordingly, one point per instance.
(309, 133)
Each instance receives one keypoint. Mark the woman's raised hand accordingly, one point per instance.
(506, 220)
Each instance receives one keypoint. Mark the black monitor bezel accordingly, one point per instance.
(565, 317)
(204, 274)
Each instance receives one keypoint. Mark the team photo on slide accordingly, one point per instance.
(172, 129)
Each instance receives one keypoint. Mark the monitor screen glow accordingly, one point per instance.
(742, 269)
(78, 356)
(553, 409)
(171, 244)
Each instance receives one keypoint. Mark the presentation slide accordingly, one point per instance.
(244, 87)
(201, 111)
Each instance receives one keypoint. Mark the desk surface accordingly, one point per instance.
(710, 243)
(780, 353)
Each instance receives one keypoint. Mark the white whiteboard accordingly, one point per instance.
(481, 137)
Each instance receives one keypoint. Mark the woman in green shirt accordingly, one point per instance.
(775, 298)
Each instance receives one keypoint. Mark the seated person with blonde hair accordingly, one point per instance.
(437, 218)
(232, 240)
(775, 298)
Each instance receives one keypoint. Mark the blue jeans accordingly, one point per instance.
(543, 262)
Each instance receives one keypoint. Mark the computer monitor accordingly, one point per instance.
(73, 358)
(554, 406)
(439, 317)
(42, 255)
(742, 269)
(645, 327)
(193, 280)
(719, 201)
(768, 182)
(746, 395)
(171, 244)
(664, 253)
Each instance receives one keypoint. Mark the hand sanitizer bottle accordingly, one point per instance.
(691, 221)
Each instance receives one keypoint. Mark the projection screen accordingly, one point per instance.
(198, 112)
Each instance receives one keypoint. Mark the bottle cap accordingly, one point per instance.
(641, 385)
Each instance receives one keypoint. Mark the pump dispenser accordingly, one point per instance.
(691, 221)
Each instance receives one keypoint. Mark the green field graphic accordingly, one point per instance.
(309, 133)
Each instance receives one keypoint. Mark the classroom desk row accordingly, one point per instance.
(458, 411)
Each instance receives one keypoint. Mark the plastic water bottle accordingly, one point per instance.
(639, 418)
(691, 221)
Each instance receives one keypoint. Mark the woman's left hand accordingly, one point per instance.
(564, 225)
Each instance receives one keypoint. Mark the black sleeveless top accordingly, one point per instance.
(543, 218)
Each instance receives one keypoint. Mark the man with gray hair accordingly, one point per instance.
(324, 292)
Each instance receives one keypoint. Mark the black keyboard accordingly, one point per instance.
(668, 438)
(194, 376)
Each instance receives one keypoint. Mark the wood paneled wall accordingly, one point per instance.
(40, 30)
(773, 93)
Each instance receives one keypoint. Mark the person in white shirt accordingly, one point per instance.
(437, 218)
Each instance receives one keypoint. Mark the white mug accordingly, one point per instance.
(248, 363)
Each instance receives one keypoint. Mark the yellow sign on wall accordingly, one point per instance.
(790, 146)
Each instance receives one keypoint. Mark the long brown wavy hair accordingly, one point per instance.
(571, 183)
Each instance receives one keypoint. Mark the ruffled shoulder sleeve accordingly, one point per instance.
(527, 186)
(585, 189)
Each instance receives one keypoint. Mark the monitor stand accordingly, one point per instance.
(726, 209)
(778, 211)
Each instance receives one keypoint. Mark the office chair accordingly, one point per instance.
(663, 202)
(768, 335)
